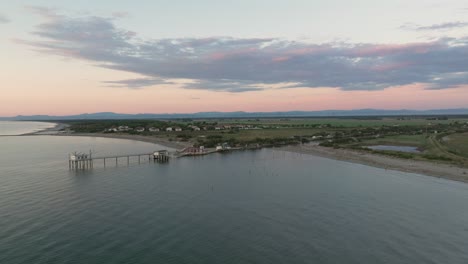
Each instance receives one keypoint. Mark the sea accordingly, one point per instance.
(263, 206)
(19, 128)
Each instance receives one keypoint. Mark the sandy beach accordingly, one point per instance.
(49, 131)
(439, 170)
(148, 139)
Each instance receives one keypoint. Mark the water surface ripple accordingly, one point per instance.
(263, 206)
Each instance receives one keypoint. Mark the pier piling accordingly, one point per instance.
(78, 161)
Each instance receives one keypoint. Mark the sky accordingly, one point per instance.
(61, 57)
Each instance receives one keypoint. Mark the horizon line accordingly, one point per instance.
(241, 111)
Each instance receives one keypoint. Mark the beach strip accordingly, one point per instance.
(439, 170)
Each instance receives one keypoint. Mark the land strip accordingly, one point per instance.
(440, 140)
(435, 169)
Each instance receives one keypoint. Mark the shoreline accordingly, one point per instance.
(438, 170)
(48, 131)
(56, 128)
(141, 138)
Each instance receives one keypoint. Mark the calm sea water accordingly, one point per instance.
(19, 128)
(264, 206)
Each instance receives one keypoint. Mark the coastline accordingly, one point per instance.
(48, 131)
(433, 169)
(147, 139)
(53, 129)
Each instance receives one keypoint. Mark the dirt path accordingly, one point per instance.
(441, 148)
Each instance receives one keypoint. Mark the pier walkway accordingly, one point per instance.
(80, 161)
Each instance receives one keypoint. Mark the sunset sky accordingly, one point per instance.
(62, 57)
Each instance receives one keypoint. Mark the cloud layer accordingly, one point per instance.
(240, 65)
(4, 19)
(442, 26)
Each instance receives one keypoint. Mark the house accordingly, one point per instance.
(178, 129)
(195, 128)
(123, 128)
(140, 129)
(112, 129)
(226, 146)
(218, 128)
(222, 147)
(168, 129)
(194, 150)
(161, 153)
(153, 129)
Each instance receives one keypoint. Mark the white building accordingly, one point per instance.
(123, 128)
(169, 129)
(178, 129)
(153, 129)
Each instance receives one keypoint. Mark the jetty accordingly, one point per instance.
(84, 161)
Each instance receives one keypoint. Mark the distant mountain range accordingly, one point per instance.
(324, 113)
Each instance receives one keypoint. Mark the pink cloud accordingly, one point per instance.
(238, 65)
(309, 50)
(389, 49)
(232, 53)
(390, 66)
(281, 59)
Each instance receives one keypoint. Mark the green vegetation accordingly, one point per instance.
(419, 140)
(456, 144)
(343, 121)
(396, 154)
(442, 139)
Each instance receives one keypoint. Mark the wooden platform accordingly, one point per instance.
(79, 161)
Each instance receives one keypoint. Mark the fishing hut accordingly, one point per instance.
(161, 156)
(80, 161)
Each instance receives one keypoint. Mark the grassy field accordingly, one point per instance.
(420, 141)
(452, 148)
(241, 135)
(457, 144)
(342, 122)
(270, 133)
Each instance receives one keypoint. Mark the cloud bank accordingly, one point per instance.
(4, 19)
(241, 65)
(442, 26)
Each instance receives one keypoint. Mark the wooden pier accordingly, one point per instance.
(80, 161)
